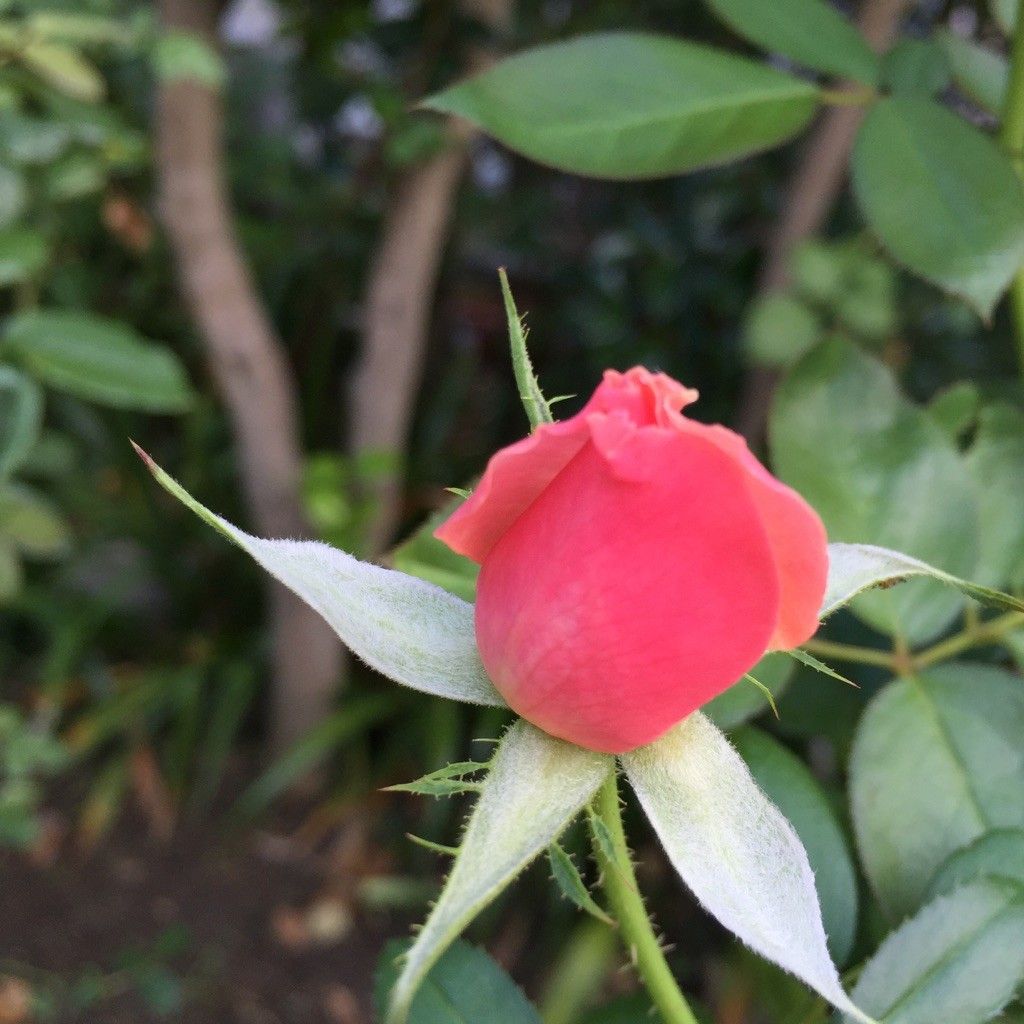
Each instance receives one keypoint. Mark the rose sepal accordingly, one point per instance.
(411, 631)
(855, 568)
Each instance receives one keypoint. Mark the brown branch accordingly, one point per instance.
(248, 364)
(810, 195)
(396, 326)
(398, 305)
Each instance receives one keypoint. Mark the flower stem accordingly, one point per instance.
(1011, 135)
(975, 635)
(627, 906)
(851, 653)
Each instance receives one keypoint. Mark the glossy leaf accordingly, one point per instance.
(407, 629)
(32, 141)
(996, 854)
(186, 56)
(23, 253)
(21, 416)
(631, 105)
(30, 523)
(996, 461)
(877, 469)
(956, 408)
(535, 787)
(918, 67)
(942, 197)
(958, 961)
(77, 28)
(735, 850)
(809, 32)
(981, 73)
(1005, 13)
(786, 781)
(464, 987)
(13, 195)
(937, 761)
(65, 69)
(780, 329)
(11, 573)
(97, 359)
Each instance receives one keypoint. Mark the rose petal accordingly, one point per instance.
(514, 478)
(636, 587)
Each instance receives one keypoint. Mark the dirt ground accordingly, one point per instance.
(196, 929)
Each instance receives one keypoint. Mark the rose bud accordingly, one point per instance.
(635, 564)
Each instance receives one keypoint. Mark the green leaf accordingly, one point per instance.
(982, 74)
(741, 701)
(1005, 13)
(13, 195)
(408, 630)
(937, 761)
(537, 409)
(942, 197)
(996, 461)
(808, 659)
(631, 105)
(735, 850)
(446, 781)
(996, 854)
(65, 69)
(955, 409)
(423, 555)
(465, 986)
(10, 571)
(97, 359)
(819, 270)
(23, 253)
(787, 782)
(810, 32)
(855, 568)
(567, 878)
(957, 962)
(76, 175)
(32, 141)
(535, 787)
(877, 469)
(81, 29)
(21, 417)
(31, 523)
(779, 329)
(186, 56)
(918, 67)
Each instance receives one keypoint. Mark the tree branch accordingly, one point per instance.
(398, 306)
(248, 364)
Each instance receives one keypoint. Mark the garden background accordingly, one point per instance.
(228, 232)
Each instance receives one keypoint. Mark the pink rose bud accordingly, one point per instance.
(635, 564)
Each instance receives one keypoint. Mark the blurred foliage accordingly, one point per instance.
(121, 660)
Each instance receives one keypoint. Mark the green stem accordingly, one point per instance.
(851, 653)
(851, 96)
(974, 636)
(1011, 134)
(627, 906)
